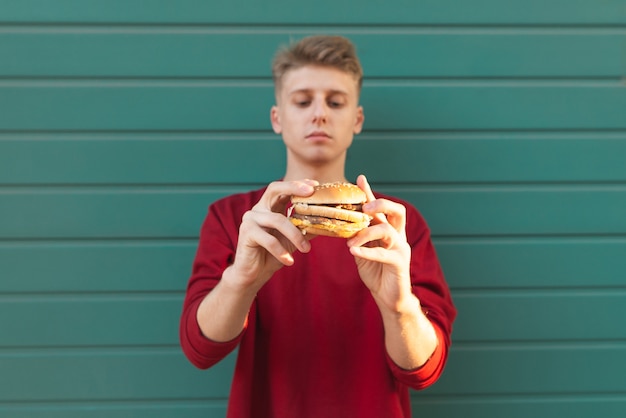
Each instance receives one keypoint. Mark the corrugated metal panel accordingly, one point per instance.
(397, 12)
(216, 52)
(503, 122)
(183, 105)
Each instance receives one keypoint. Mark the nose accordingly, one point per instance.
(320, 112)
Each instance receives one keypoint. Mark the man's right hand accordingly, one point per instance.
(267, 238)
(266, 241)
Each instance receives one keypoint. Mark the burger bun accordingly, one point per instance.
(334, 209)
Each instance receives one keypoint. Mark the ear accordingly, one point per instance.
(360, 118)
(275, 119)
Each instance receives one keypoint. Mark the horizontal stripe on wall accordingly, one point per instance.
(522, 406)
(539, 369)
(116, 159)
(425, 52)
(243, 106)
(109, 374)
(75, 320)
(143, 212)
(165, 375)
(540, 315)
(165, 265)
(396, 12)
(219, 158)
(106, 409)
(88, 266)
(533, 263)
(572, 406)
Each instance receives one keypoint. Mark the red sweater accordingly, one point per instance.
(313, 345)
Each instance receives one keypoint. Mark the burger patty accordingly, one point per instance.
(319, 219)
(347, 206)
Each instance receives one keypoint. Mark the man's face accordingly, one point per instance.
(317, 113)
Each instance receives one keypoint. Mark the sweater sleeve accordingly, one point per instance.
(216, 248)
(429, 372)
(201, 351)
(429, 286)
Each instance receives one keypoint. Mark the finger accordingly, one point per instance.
(281, 227)
(384, 235)
(375, 254)
(364, 185)
(394, 212)
(311, 182)
(278, 193)
(273, 246)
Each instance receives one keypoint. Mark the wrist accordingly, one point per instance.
(237, 284)
(407, 312)
(410, 337)
(405, 306)
(223, 312)
(397, 301)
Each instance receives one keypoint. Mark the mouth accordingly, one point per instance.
(318, 135)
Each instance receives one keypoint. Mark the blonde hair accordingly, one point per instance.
(322, 50)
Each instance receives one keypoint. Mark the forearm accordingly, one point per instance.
(410, 337)
(223, 312)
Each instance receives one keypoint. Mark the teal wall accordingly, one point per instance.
(504, 122)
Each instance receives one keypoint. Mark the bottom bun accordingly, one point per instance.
(334, 229)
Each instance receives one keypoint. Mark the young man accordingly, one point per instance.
(326, 327)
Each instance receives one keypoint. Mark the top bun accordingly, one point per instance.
(338, 192)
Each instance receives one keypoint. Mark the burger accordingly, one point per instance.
(334, 210)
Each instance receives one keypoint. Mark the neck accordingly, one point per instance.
(327, 172)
